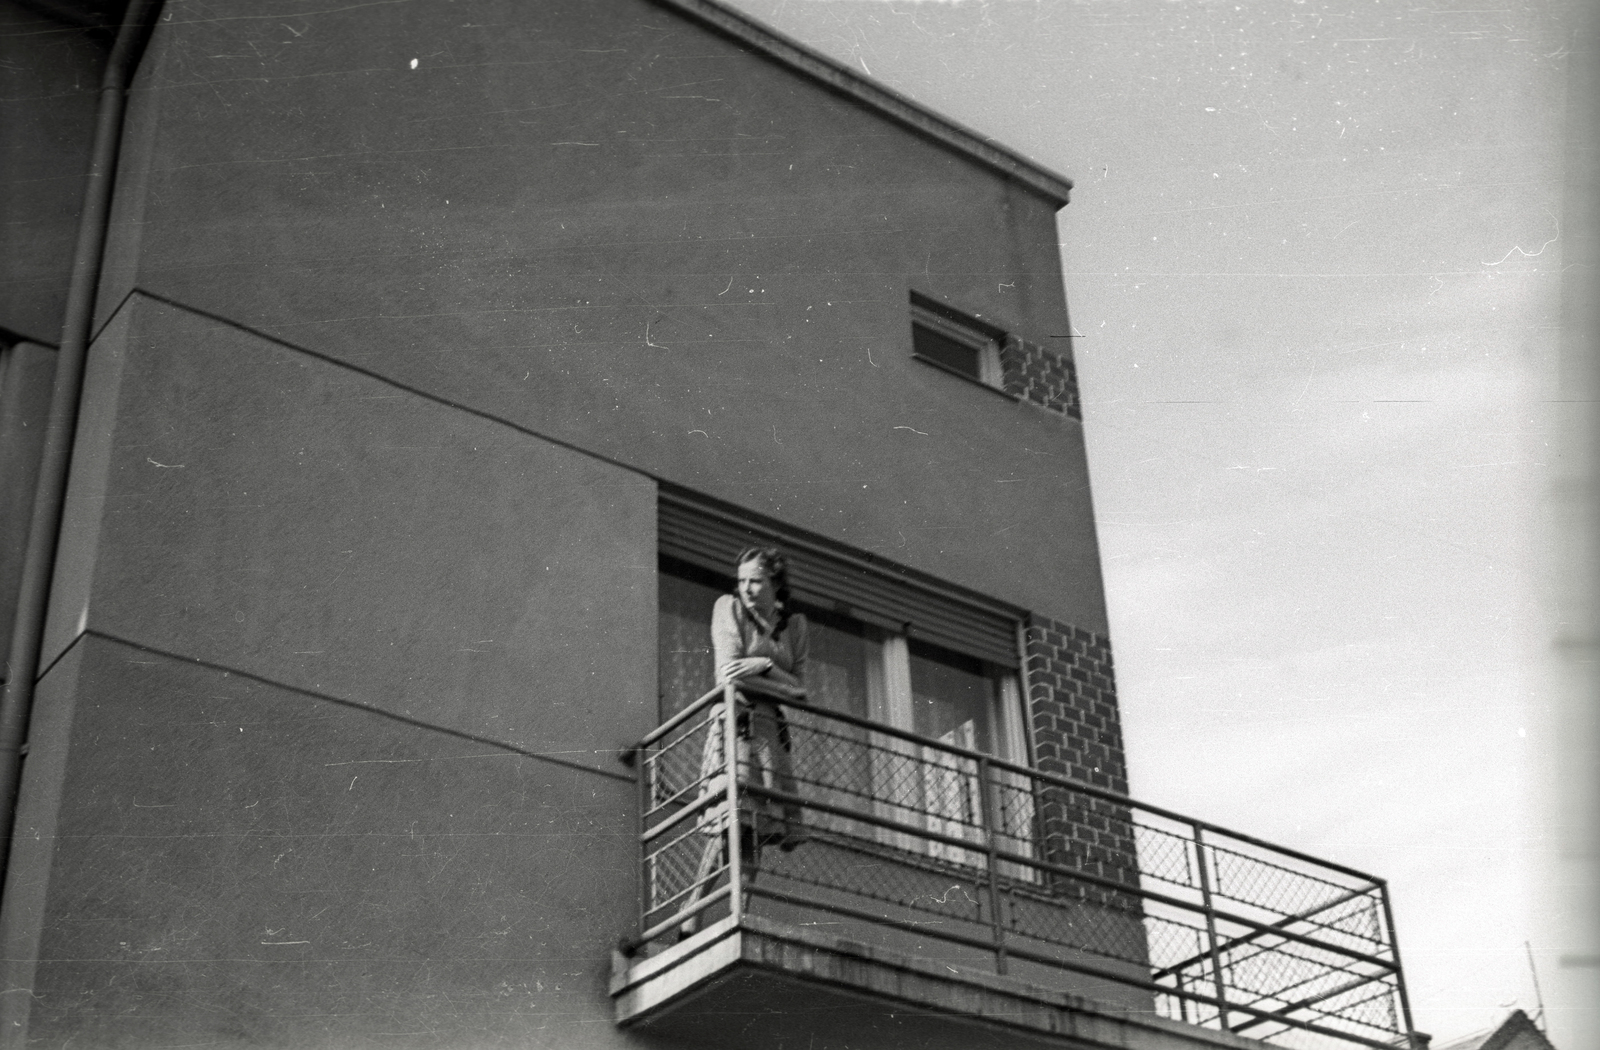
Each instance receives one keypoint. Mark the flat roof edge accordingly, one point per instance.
(890, 103)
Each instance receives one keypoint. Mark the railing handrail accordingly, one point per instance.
(1038, 774)
(678, 719)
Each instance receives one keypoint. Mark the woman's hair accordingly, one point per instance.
(776, 566)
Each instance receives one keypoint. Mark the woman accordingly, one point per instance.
(756, 638)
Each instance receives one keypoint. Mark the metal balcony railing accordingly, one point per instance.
(1034, 874)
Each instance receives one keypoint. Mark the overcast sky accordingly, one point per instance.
(1314, 256)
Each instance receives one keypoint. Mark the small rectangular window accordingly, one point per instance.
(946, 339)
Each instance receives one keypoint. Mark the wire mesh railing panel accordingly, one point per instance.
(1368, 1011)
(1171, 941)
(1247, 878)
(878, 826)
(857, 770)
(677, 768)
(1359, 919)
(1166, 858)
(1366, 1006)
(862, 869)
(678, 870)
(1108, 932)
(1287, 973)
(1356, 923)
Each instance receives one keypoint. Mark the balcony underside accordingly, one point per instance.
(730, 983)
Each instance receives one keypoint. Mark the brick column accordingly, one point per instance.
(1072, 700)
(1039, 376)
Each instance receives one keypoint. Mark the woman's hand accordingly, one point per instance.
(745, 667)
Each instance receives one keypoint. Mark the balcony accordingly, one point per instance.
(947, 898)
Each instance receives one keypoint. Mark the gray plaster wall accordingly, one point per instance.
(326, 753)
(237, 863)
(49, 83)
(608, 225)
(254, 507)
(27, 374)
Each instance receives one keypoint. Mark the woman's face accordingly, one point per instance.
(755, 587)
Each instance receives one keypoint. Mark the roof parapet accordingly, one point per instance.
(897, 107)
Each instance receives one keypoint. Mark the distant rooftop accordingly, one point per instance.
(897, 107)
(1517, 1032)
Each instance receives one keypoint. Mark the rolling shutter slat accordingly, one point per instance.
(710, 539)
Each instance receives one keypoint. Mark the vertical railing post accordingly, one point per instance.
(1211, 927)
(988, 816)
(730, 766)
(646, 771)
(1399, 971)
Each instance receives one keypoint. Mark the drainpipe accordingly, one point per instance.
(27, 636)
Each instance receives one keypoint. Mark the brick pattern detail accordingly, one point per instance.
(1040, 376)
(1077, 733)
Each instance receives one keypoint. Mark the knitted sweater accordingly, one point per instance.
(735, 634)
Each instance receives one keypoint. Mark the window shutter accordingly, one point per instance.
(830, 576)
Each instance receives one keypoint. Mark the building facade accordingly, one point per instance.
(441, 359)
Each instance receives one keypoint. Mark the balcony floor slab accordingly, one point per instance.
(735, 985)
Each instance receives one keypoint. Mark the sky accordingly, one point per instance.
(1313, 258)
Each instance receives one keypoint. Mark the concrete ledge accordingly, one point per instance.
(897, 107)
(717, 987)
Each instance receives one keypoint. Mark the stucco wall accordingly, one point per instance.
(250, 506)
(605, 224)
(49, 82)
(27, 374)
(338, 679)
(240, 864)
